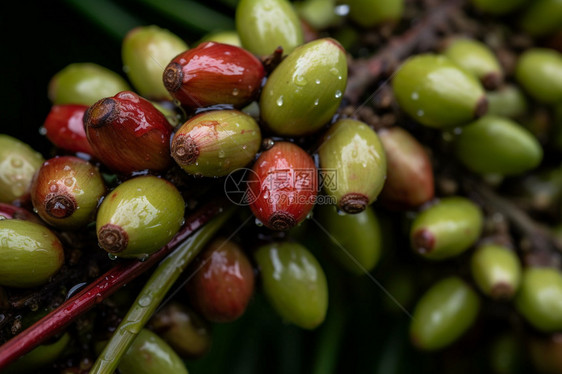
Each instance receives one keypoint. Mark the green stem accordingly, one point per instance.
(193, 15)
(107, 15)
(153, 293)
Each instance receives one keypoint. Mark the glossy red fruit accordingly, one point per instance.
(64, 127)
(214, 73)
(223, 283)
(409, 177)
(283, 186)
(127, 133)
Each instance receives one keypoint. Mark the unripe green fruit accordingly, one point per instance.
(18, 164)
(540, 298)
(508, 101)
(475, 57)
(39, 357)
(496, 145)
(294, 283)
(319, 14)
(355, 239)
(215, 143)
(447, 228)
(539, 71)
(443, 314)
(149, 354)
(436, 92)
(354, 152)
(146, 51)
(30, 253)
(305, 90)
(542, 17)
(369, 13)
(496, 270)
(84, 83)
(498, 6)
(139, 217)
(225, 37)
(264, 25)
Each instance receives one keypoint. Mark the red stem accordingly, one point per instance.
(123, 273)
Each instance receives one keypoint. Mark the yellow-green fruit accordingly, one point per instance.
(294, 283)
(39, 357)
(508, 101)
(436, 92)
(84, 83)
(264, 25)
(30, 253)
(353, 165)
(497, 145)
(477, 58)
(498, 6)
(369, 13)
(539, 299)
(18, 164)
(539, 71)
(215, 143)
(355, 239)
(542, 17)
(146, 51)
(226, 37)
(447, 228)
(305, 90)
(496, 270)
(139, 217)
(443, 314)
(319, 14)
(149, 354)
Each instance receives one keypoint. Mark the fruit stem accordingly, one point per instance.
(119, 275)
(153, 293)
(422, 36)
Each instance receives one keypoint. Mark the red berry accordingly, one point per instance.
(283, 186)
(223, 283)
(128, 133)
(214, 73)
(64, 127)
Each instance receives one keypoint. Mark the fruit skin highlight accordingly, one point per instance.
(283, 186)
(139, 216)
(64, 127)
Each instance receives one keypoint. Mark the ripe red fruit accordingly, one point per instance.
(283, 186)
(64, 127)
(223, 283)
(128, 133)
(214, 73)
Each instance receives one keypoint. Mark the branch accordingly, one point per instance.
(96, 292)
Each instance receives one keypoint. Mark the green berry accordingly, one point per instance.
(319, 14)
(149, 354)
(139, 217)
(18, 164)
(145, 51)
(30, 253)
(539, 72)
(496, 145)
(305, 90)
(215, 143)
(498, 7)
(355, 240)
(225, 37)
(477, 58)
(438, 93)
(353, 154)
(447, 228)
(40, 357)
(84, 83)
(369, 13)
(508, 101)
(540, 298)
(294, 283)
(443, 314)
(264, 25)
(542, 17)
(496, 270)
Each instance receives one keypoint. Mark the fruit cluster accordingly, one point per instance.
(263, 123)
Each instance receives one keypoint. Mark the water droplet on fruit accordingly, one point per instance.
(338, 94)
(145, 301)
(69, 182)
(280, 101)
(317, 81)
(221, 154)
(341, 10)
(334, 71)
(420, 113)
(42, 130)
(112, 257)
(316, 102)
(300, 80)
(258, 222)
(415, 96)
(235, 92)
